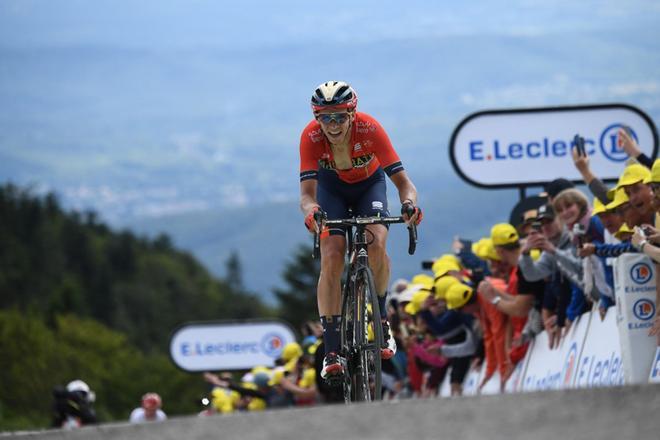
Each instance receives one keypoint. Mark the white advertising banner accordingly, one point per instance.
(654, 377)
(471, 382)
(507, 148)
(515, 381)
(229, 346)
(600, 364)
(493, 386)
(553, 369)
(634, 287)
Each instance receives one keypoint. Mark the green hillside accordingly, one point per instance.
(78, 300)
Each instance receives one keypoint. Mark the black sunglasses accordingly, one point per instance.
(326, 118)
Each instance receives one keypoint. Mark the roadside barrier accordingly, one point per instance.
(616, 350)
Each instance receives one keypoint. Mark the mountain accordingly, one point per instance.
(162, 115)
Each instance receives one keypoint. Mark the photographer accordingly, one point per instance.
(72, 406)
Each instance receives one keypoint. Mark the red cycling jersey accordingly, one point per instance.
(371, 148)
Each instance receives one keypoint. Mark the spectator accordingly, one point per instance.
(72, 407)
(520, 297)
(493, 322)
(648, 239)
(559, 265)
(639, 194)
(556, 186)
(572, 206)
(454, 327)
(149, 410)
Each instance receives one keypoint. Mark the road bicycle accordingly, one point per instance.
(361, 329)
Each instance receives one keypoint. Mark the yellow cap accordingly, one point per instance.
(444, 268)
(308, 378)
(503, 234)
(291, 350)
(442, 285)
(620, 197)
(599, 208)
(623, 230)
(277, 375)
(476, 246)
(654, 177)
(458, 295)
(423, 279)
(416, 302)
(451, 258)
(487, 250)
(535, 254)
(632, 174)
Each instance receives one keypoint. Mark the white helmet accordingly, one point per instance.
(335, 95)
(81, 387)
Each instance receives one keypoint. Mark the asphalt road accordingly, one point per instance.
(624, 413)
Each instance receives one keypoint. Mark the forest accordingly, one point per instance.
(81, 301)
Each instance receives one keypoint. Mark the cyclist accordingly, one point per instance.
(344, 156)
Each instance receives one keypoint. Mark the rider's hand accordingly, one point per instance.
(310, 222)
(411, 213)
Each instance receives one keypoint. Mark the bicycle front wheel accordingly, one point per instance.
(368, 337)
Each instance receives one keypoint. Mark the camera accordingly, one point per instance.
(537, 226)
(579, 231)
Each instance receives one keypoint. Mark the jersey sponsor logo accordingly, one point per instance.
(364, 127)
(357, 162)
(377, 205)
(357, 147)
(316, 135)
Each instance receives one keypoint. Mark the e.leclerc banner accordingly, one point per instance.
(521, 147)
(213, 346)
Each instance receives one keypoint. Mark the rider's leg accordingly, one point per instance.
(378, 259)
(333, 248)
(380, 266)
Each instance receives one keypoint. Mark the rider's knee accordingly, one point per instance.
(333, 259)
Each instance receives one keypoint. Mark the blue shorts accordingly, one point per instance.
(366, 198)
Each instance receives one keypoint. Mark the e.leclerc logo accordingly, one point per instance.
(641, 273)
(644, 309)
(548, 147)
(272, 344)
(608, 144)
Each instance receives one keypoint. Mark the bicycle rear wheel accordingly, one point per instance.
(368, 338)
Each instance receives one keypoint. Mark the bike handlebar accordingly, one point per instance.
(363, 221)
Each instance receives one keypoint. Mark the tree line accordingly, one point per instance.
(79, 300)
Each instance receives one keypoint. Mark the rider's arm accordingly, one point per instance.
(310, 151)
(308, 195)
(404, 185)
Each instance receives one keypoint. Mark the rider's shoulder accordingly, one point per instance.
(366, 123)
(312, 131)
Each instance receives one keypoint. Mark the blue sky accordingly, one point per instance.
(147, 109)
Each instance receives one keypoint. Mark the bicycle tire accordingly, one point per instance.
(347, 340)
(368, 385)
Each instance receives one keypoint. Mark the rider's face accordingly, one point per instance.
(335, 125)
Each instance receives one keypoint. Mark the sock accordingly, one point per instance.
(382, 305)
(331, 337)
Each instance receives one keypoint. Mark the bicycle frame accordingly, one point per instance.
(358, 294)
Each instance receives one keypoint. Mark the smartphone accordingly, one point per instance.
(578, 141)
